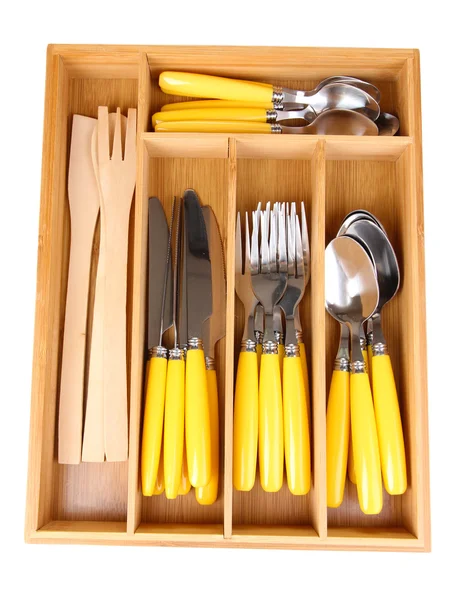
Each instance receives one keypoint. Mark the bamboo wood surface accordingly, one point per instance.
(102, 503)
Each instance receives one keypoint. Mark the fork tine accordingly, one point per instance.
(131, 135)
(264, 247)
(238, 248)
(103, 150)
(273, 240)
(298, 249)
(117, 153)
(305, 243)
(255, 259)
(290, 246)
(247, 250)
(282, 252)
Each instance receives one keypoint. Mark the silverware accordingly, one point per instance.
(351, 298)
(199, 308)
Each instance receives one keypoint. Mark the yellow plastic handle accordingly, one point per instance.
(184, 485)
(369, 363)
(281, 358)
(271, 445)
(365, 445)
(208, 494)
(296, 429)
(245, 422)
(174, 426)
(153, 423)
(389, 427)
(351, 462)
(337, 436)
(303, 360)
(256, 115)
(213, 127)
(160, 481)
(209, 86)
(197, 422)
(259, 354)
(216, 104)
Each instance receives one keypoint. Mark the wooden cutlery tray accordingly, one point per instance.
(102, 503)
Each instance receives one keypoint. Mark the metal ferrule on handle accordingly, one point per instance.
(210, 363)
(158, 352)
(176, 354)
(248, 346)
(270, 348)
(279, 337)
(195, 344)
(358, 366)
(380, 349)
(292, 351)
(299, 336)
(342, 364)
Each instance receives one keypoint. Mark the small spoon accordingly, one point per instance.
(387, 413)
(351, 298)
(387, 124)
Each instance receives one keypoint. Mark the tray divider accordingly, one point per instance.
(230, 339)
(318, 349)
(139, 298)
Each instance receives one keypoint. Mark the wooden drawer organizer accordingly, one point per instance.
(102, 503)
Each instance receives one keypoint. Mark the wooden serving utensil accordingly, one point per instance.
(117, 176)
(93, 436)
(84, 208)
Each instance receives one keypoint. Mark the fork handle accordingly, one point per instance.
(271, 443)
(246, 421)
(296, 430)
(209, 86)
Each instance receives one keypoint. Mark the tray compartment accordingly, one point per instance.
(167, 174)
(288, 68)
(381, 187)
(89, 491)
(279, 179)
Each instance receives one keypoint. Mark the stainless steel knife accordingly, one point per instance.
(199, 308)
(213, 331)
(159, 320)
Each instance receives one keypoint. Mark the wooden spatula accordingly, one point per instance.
(93, 436)
(84, 207)
(117, 176)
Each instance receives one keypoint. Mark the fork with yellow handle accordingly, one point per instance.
(246, 402)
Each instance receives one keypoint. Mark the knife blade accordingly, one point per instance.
(213, 330)
(199, 308)
(159, 319)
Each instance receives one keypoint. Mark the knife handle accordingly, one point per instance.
(389, 427)
(281, 358)
(209, 86)
(184, 485)
(351, 461)
(214, 127)
(153, 420)
(259, 354)
(159, 486)
(337, 436)
(246, 421)
(365, 445)
(296, 429)
(215, 104)
(197, 421)
(255, 115)
(208, 494)
(369, 363)
(174, 422)
(271, 449)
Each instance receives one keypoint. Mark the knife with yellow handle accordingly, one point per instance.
(213, 331)
(159, 320)
(184, 485)
(159, 487)
(253, 115)
(199, 308)
(387, 413)
(338, 423)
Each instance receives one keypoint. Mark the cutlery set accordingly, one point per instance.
(271, 405)
(362, 275)
(339, 105)
(186, 292)
(101, 181)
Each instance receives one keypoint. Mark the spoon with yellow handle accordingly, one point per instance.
(249, 120)
(351, 297)
(389, 426)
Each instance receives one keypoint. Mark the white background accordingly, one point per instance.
(117, 572)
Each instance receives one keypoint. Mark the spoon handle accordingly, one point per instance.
(365, 445)
(389, 426)
(337, 436)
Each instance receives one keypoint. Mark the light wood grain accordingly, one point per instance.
(102, 503)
